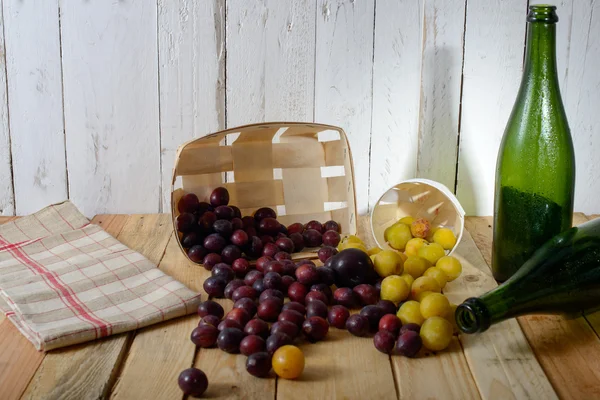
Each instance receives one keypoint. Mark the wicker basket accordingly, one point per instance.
(419, 198)
(301, 170)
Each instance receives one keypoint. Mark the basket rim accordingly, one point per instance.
(343, 136)
(437, 185)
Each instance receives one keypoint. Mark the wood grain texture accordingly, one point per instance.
(341, 367)
(494, 40)
(481, 232)
(453, 380)
(172, 350)
(441, 74)
(581, 98)
(18, 361)
(567, 350)
(396, 91)
(270, 61)
(88, 370)
(147, 234)
(594, 318)
(343, 82)
(83, 371)
(501, 360)
(109, 53)
(191, 51)
(33, 65)
(7, 199)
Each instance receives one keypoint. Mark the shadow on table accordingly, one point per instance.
(315, 373)
(218, 390)
(557, 335)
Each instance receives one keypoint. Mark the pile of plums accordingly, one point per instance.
(215, 233)
(261, 320)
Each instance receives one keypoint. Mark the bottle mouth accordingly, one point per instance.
(545, 13)
(472, 316)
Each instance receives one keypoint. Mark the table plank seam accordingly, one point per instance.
(396, 385)
(119, 365)
(479, 390)
(122, 359)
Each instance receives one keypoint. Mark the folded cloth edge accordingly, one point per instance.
(190, 301)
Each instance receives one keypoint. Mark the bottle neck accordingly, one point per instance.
(562, 276)
(473, 316)
(477, 314)
(540, 56)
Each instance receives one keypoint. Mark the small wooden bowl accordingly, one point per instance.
(303, 171)
(418, 198)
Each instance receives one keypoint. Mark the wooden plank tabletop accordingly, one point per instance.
(532, 357)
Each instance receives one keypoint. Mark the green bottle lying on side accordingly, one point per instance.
(562, 277)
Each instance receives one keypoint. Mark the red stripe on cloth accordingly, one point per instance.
(115, 293)
(16, 316)
(108, 324)
(163, 309)
(73, 295)
(10, 246)
(56, 285)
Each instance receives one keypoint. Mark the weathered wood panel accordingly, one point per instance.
(35, 95)
(110, 71)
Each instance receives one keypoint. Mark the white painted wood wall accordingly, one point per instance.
(96, 96)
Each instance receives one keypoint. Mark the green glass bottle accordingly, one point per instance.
(562, 277)
(535, 171)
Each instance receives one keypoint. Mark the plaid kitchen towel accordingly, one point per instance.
(65, 281)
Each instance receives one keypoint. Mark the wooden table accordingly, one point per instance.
(538, 357)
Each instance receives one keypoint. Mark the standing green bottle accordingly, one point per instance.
(535, 172)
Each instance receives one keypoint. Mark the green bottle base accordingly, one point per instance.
(523, 222)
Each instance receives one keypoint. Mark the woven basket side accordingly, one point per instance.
(285, 166)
